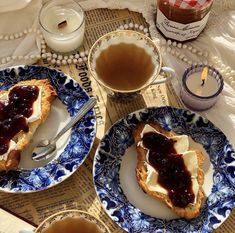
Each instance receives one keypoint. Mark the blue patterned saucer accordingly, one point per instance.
(116, 185)
(71, 96)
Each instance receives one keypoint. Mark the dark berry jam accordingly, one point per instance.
(13, 113)
(172, 172)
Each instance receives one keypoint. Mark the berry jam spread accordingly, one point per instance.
(13, 113)
(172, 172)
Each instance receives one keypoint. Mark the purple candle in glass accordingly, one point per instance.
(201, 87)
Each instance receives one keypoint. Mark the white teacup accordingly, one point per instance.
(70, 221)
(125, 62)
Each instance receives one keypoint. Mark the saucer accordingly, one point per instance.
(73, 147)
(133, 210)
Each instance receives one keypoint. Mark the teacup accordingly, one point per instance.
(126, 62)
(70, 221)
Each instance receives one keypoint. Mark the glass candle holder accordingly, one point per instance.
(63, 25)
(198, 96)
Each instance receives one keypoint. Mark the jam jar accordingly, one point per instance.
(182, 20)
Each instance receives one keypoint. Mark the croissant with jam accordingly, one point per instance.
(22, 109)
(169, 170)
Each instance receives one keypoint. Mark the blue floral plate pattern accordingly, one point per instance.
(118, 139)
(81, 139)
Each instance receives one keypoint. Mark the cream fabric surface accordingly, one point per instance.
(15, 17)
(6, 5)
(218, 38)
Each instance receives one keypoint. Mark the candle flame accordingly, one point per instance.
(204, 75)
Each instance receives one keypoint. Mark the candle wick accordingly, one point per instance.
(62, 24)
(204, 75)
(203, 82)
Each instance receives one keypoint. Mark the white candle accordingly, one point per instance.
(197, 96)
(70, 36)
(209, 88)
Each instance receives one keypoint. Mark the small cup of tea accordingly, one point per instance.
(70, 221)
(125, 62)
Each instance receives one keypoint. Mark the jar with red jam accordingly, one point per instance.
(182, 20)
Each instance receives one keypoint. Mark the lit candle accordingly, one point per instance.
(63, 25)
(201, 86)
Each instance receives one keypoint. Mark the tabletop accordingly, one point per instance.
(77, 192)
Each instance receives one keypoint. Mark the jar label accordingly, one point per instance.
(179, 31)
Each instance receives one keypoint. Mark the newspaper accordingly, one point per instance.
(78, 190)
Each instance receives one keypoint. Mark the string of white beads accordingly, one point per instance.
(18, 35)
(61, 59)
(176, 48)
(172, 47)
(14, 36)
(226, 71)
(53, 58)
(5, 60)
(135, 26)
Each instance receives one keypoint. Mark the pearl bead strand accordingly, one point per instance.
(51, 57)
(226, 71)
(5, 60)
(135, 26)
(170, 46)
(18, 35)
(81, 56)
(174, 49)
(61, 59)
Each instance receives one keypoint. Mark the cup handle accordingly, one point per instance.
(168, 74)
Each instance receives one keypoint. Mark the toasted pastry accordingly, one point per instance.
(22, 138)
(192, 210)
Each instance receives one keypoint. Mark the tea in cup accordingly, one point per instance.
(71, 221)
(124, 62)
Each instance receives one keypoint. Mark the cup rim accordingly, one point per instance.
(70, 211)
(61, 34)
(198, 96)
(155, 73)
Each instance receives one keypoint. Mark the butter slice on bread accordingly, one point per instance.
(22, 139)
(192, 210)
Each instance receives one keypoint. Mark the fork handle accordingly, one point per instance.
(82, 111)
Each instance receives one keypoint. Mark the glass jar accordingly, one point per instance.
(182, 20)
(68, 13)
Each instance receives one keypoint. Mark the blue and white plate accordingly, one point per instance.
(135, 211)
(72, 148)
